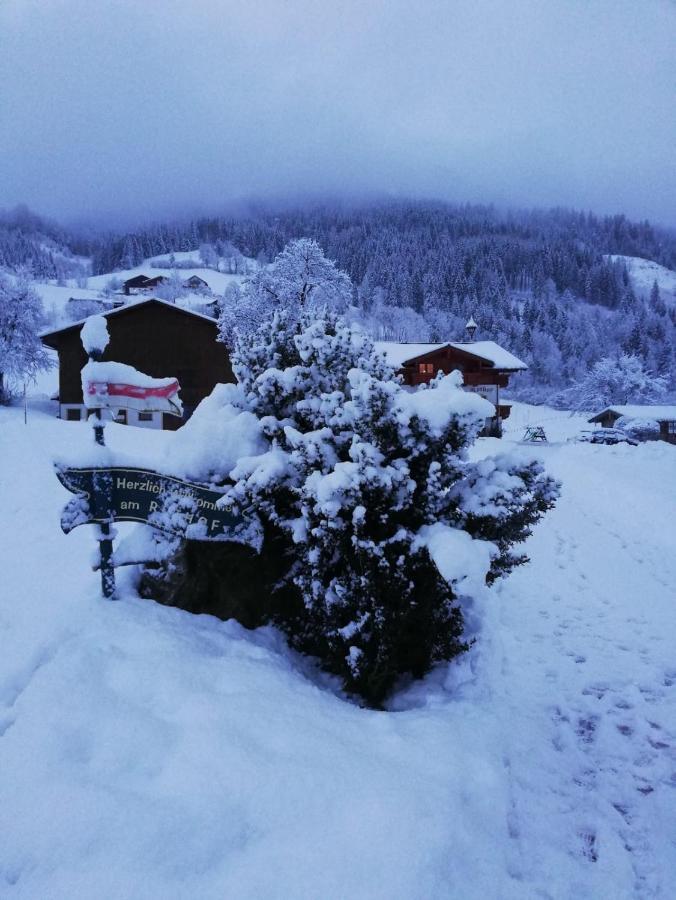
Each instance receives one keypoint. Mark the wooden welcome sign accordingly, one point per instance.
(139, 495)
(109, 494)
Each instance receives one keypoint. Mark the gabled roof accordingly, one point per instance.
(638, 411)
(136, 280)
(487, 351)
(47, 336)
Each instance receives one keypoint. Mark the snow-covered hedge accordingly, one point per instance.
(376, 519)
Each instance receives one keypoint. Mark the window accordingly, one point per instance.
(73, 415)
(145, 416)
(121, 416)
(671, 427)
(426, 368)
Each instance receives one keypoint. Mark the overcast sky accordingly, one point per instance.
(147, 107)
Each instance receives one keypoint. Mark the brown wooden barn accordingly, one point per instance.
(156, 337)
(665, 416)
(486, 368)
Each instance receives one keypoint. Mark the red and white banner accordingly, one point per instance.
(108, 385)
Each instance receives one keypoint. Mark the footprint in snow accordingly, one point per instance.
(598, 690)
(586, 728)
(589, 845)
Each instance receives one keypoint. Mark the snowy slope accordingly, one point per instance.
(217, 281)
(644, 273)
(55, 297)
(148, 753)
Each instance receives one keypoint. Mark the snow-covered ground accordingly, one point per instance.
(148, 753)
(644, 273)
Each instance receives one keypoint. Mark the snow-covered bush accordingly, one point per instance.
(112, 286)
(376, 522)
(172, 288)
(641, 429)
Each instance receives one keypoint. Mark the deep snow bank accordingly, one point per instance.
(148, 753)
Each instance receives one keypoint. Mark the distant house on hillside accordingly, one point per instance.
(665, 416)
(157, 337)
(142, 283)
(195, 283)
(486, 367)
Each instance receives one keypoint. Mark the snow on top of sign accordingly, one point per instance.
(94, 334)
(637, 411)
(397, 354)
(121, 373)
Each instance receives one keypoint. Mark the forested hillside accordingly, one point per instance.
(540, 282)
(38, 246)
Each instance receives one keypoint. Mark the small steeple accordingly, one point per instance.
(470, 328)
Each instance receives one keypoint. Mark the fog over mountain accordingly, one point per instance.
(147, 109)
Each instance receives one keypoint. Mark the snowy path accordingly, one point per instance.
(589, 632)
(147, 753)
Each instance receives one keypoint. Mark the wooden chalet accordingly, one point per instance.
(142, 283)
(665, 416)
(485, 366)
(156, 337)
(195, 283)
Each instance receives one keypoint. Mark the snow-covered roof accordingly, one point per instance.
(398, 354)
(489, 350)
(125, 308)
(637, 411)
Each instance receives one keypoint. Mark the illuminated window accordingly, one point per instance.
(426, 368)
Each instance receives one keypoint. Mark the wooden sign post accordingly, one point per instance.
(110, 386)
(95, 344)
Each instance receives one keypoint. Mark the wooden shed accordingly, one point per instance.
(156, 337)
(142, 283)
(195, 283)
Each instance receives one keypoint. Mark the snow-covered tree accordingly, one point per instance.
(208, 256)
(620, 380)
(376, 521)
(300, 278)
(22, 354)
(171, 289)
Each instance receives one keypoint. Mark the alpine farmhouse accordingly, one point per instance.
(486, 367)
